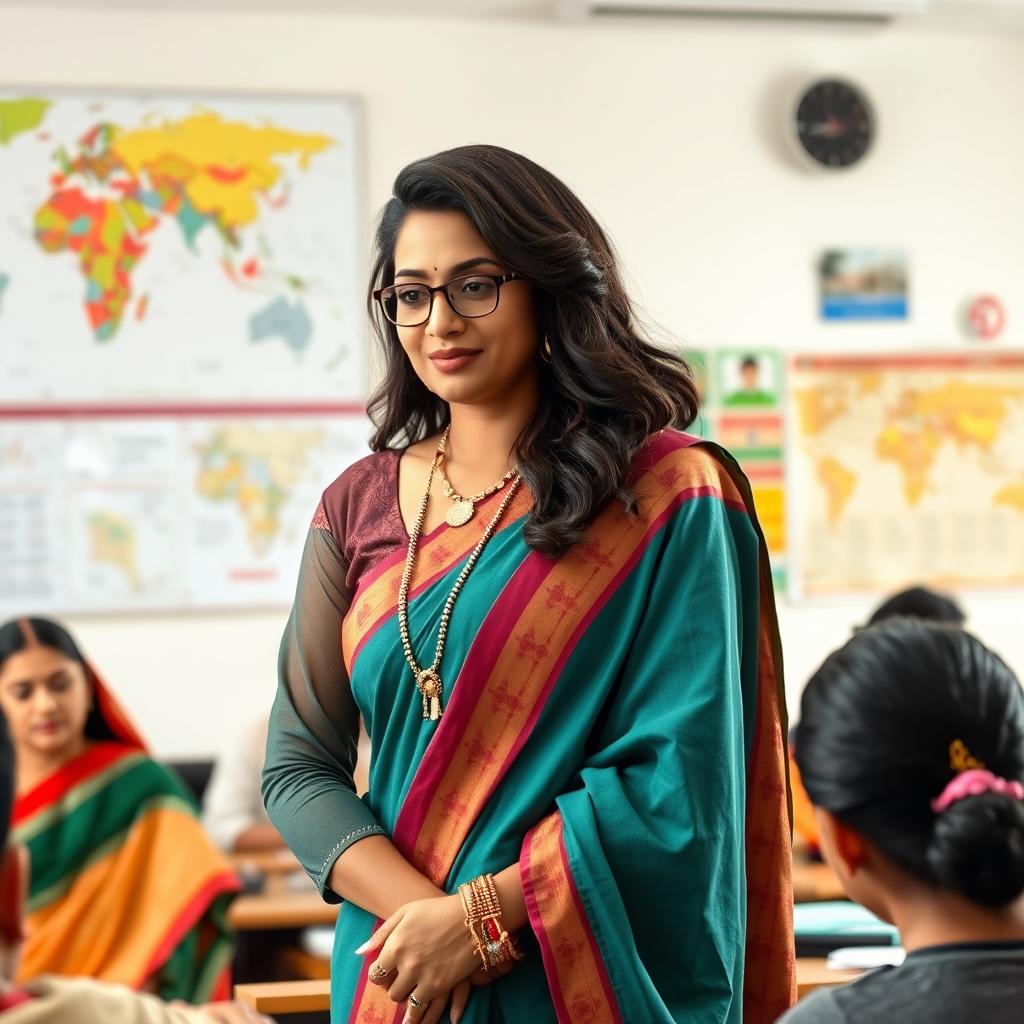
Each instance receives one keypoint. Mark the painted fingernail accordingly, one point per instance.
(363, 948)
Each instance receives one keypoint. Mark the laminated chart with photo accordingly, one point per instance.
(182, 343)
(742, 409)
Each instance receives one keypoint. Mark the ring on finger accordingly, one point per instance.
(379, 975)
(413, 1001)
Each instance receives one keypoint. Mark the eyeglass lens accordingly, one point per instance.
(408, 305)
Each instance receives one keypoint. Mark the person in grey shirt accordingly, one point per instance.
(911, 747)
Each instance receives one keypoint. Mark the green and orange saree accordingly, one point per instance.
(124, 884)
(615, 727)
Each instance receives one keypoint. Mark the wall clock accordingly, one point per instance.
(834, 124)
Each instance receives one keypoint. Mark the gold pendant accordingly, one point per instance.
(429, 683)
(460, 513)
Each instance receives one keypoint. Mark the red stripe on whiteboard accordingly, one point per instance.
(909, 361)
(213, 409)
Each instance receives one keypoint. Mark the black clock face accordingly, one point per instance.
(834, 124)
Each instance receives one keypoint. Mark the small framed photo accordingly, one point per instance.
(863, 284)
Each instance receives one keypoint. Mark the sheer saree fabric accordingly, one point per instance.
(124, 884)
(614, 725)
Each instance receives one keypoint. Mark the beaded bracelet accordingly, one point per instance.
(491, 942)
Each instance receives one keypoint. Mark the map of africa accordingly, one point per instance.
(908, 469)
(160, 248)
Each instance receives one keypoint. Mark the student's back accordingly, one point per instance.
(911, 746)
(972, 983)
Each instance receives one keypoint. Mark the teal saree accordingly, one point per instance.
(614, 725)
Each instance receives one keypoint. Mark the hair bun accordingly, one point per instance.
(977, 848)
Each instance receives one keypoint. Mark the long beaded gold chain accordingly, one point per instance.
(428, 680)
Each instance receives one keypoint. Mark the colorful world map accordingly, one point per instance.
(119, 185)
(159, 247)
(909, 469)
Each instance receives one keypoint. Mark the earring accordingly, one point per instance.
(545, 350)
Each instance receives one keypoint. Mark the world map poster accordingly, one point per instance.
(162, 248)
(906, 469)
(156, 513)
(182, 343)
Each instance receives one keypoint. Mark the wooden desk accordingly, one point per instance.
(309, 996)
(266, 911)
(814, 973)
(265, 862)
(815, 883)
(286, 996)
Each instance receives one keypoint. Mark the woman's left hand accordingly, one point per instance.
(427, 943)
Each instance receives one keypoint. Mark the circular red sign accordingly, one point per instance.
(986, 317)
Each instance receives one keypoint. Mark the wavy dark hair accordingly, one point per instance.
(873, 747)
(606, 388)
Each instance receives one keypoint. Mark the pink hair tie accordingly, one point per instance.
(973, 783)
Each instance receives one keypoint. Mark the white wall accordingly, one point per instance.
(669, 131)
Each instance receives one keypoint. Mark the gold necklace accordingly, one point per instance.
(428, 680)
(462, 509)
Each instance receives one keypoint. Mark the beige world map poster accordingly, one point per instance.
(906, 468)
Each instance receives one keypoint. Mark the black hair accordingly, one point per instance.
(604, 387)
(920, 603)
(750, 363)
(6, 780)
(18, 634)
(878, 722)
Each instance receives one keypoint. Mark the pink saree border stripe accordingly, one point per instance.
(537, 924)
(602, 971)
(472, 679)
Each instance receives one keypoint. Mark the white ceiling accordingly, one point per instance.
(976, 13)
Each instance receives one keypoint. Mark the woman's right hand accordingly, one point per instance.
(431, 1013)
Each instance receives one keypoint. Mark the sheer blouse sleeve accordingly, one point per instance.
(308, 783)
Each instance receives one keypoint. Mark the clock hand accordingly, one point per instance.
(824, 129)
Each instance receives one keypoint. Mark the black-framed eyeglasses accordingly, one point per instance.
(410, 305)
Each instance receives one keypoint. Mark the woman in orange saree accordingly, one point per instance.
(572, 688)
(125, 885)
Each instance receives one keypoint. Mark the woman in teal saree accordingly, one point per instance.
(553, 611)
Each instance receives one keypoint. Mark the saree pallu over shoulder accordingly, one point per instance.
(125, 886)
(621, 708)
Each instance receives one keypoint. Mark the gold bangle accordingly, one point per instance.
(469, 906)
(491, 941)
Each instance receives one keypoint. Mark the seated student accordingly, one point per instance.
(126, 886)
(233, 812)
(920, 603)
(53, 1000)
(914, 602)
(911, 744)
